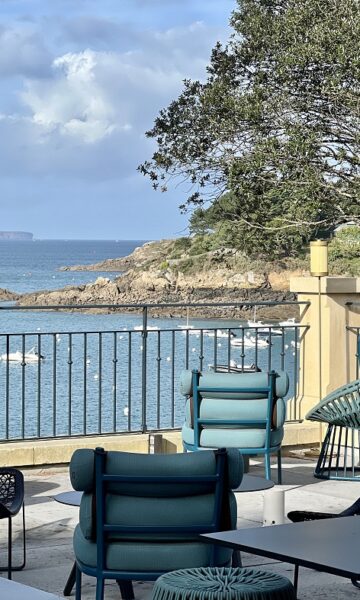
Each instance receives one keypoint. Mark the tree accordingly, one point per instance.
(271, 140)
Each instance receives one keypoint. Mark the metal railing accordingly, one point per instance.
(105, 378)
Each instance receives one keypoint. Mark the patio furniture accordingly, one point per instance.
(11, 501)
(141, 514)
(244, 411)
(249, 483)
(297, 516)
(329, 545)
(340, 451)
(222, 584)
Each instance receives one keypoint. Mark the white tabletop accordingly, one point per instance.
(11, 590)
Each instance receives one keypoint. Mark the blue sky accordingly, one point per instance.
(80, 83)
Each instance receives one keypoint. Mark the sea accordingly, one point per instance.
(91, 377)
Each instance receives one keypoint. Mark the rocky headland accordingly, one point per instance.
(157, 273)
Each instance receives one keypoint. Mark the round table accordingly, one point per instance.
(249, 483)
(71, 498)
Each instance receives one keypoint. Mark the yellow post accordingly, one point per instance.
(328, 350)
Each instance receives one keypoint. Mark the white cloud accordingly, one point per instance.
(89, 117)
(74, 101)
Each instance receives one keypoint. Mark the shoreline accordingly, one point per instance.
(154, 274)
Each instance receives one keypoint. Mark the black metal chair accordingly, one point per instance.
(307, 515)
(11, 501)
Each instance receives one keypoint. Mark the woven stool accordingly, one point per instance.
(211, 583)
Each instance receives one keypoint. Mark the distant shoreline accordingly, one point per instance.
(16, 236)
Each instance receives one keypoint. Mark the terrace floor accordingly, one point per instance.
(50, 526)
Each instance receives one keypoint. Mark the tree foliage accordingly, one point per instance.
(270, 142)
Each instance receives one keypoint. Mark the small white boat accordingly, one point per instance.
(290, 322)
(234, 367)
(30, 356)
(148, 328)
(219, 333)
(259, 325)
(187, 326)
(250, 342)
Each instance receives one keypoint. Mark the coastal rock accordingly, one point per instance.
(154, 276)
(149, 251)
(6, 295)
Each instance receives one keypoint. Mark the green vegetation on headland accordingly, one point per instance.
(270, 141)
(189, 254)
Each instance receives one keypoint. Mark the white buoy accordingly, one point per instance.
(126, 411)
(168, 358)
(88, 361)
(274, 507)
(96, 376)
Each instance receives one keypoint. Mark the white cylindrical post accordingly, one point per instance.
(274, 507)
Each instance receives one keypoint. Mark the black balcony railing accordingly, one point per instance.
(122, 375)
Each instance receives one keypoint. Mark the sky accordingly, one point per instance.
(81, 81)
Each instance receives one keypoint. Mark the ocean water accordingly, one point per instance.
(31, 266)
(91, 377)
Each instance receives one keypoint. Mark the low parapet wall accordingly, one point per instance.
(54, 452)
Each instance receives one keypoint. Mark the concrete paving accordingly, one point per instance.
(50, 526)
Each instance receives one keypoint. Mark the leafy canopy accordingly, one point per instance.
(270, 142)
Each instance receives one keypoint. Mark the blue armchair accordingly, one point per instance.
(244, 411)
(141, 515)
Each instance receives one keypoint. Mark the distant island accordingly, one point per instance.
(16, 236)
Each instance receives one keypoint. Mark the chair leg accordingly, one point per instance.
(100, 583)
(126, 589)
(267, 466)
(70, 581)
(22, 565)
(9, 547)
(279, 466)
(78, 582)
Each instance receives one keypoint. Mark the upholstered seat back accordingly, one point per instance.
(236, 410)
(143, 505)
(234, 382)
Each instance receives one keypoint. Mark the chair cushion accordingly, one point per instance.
(220, 408)
(133, 510)
(127, 463)
(243, 439)
(233, 381)
(144, 556)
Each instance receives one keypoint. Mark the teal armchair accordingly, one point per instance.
(237, 410)
(141, 515)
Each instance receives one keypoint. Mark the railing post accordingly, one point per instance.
(144, 334)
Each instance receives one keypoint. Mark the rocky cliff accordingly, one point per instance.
(153, 276)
